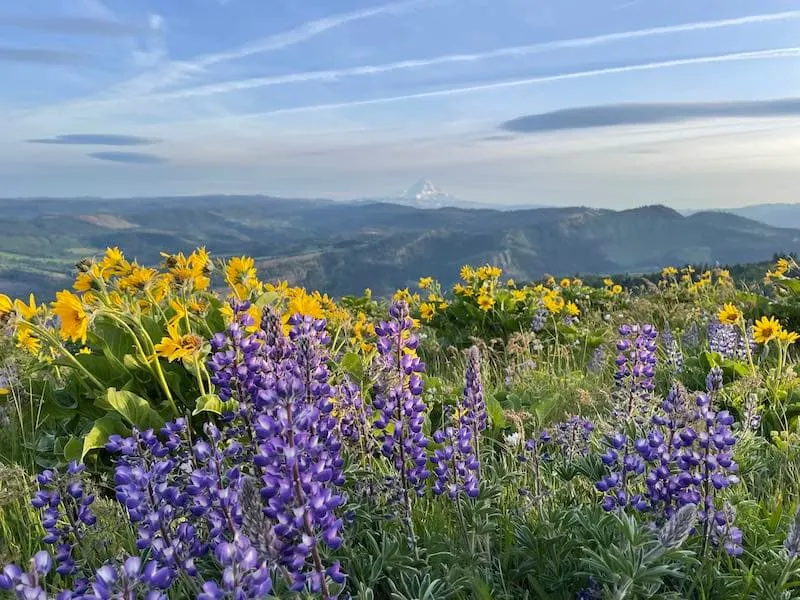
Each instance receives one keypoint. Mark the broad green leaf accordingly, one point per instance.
(73, 449)
(495, 412)
(212, 403)
(111, 338)
(102, 429)
(134, 409)
(153, 329)
(352, 365)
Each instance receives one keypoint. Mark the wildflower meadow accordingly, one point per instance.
(191, 431)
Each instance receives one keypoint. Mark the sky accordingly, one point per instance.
(609, 103)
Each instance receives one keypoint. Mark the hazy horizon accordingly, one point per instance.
(601, 103)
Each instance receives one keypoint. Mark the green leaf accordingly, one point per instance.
(134, 409)
(495, 412)
(213, 404)
(73, 449)
(111, 338)
(153, 329)
(102, 429)
(352, 365)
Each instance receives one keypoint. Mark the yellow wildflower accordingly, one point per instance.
(577, 282)
(426, 311)
(114, 263)
(608, 282)
(550, 281)
(729, 314)
(485, 302)
(511, 283)
(138, 278)
(572, 309)
(565, 283)
(518, 295)
(402, 295)
(27, 341)
(88, 280)
(26, 311)
(766, 329)
(443, 305)
(74, 321)
(6, 305)
(425, 282)
(781, 266)
(669, 271)
(467, 273)
(175, 346)
(240, 275)
(788, 336)
(85, 350)
(302, 303)
(617, 289)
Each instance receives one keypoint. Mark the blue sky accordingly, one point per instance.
(610, 103)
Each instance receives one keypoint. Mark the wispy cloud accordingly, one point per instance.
(42, 56)
(175, 72)
(96, 139)
(133, 158)
(507, 52)
(790, 52)
(642, 114)
(72, 26)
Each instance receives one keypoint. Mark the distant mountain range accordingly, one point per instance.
(344, 247)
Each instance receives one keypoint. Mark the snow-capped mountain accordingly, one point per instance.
(423, 194)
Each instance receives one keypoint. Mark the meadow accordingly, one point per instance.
(191, 431)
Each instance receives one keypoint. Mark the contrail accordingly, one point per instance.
(790, 52)
(178, 70)
(332, 74)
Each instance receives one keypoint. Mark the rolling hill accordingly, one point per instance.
(341, 247)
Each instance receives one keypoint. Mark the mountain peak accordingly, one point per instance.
(421, 191)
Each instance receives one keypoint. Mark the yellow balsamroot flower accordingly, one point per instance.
(553, 302)
(511, 283)
(572, 309)
(114, 263)
(788, 336)
(176, 346)
(729, 314)
(577, 282)
(518, 295)
(443, 305)
(781, 266)
(425, 282)
(460, 290)
(616, 290)
(467, 273)
(27, 341)
(550, 281)
(74, 322)
(302, 303)
(240, 275)
(27, 311)
(485, 302)
(489, 272)
(137, 279)
(402, 295)
(766, 329)
(85, 350)
(89, 280)
(669, 272)
(565, 283)
(6, 305)
(426, 311)
(608, 282)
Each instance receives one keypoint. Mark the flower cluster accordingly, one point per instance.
(727, 340)
(398, 399)
(672, 350)
(636, 361)
(66, 514)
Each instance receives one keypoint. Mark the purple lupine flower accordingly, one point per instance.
(598, 360)
(727, 340)
(539, 320)
(672, 351)
(572, 436)
(355, 417)
(691, 336)
(635, 373)
(66, 512)
(299, 457)
(472, 401)
(399, 400)
(455, 463)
